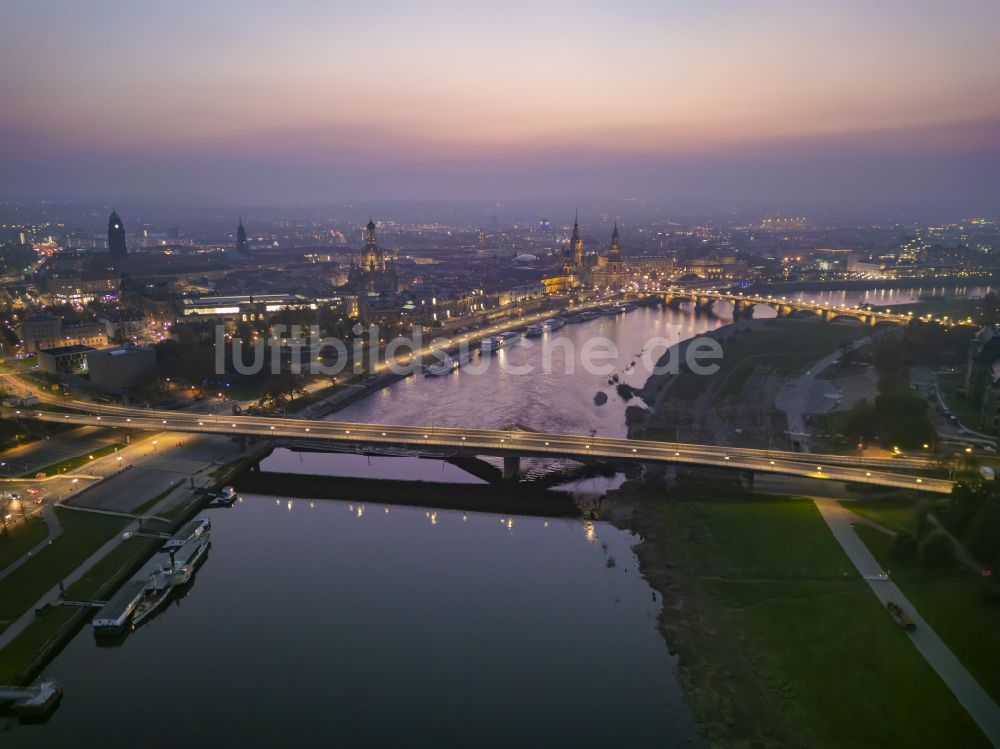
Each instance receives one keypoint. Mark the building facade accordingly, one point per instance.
(64, 360)
(373, 270)
(47, 331)
(122, 367)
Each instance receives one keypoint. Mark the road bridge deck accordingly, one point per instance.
(888, 472)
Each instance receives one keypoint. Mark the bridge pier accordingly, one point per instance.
(742, 309)
(748, 477)
(511, 467)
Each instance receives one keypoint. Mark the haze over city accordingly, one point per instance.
(618, 373)
(794, 105)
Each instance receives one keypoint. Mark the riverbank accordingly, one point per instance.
(759, 600)
(736, 405)
(779, 641)
(24, 657)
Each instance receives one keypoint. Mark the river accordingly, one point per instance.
(329, 622)
(558, 398)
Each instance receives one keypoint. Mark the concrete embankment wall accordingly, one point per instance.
(517, 499)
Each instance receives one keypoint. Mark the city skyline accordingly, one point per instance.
(773, 102)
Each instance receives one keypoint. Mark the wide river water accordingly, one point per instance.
(336, 622)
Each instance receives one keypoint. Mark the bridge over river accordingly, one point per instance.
(509, 444)
(743, 305)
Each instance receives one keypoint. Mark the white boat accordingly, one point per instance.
(545, 326)
(156, 594)
(447, 365)
(171, 575)
(498, 341)
(186, 561)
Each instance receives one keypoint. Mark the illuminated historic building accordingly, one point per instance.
(610, 270)
(572, 260)
(373, 271)
(615, 253)
(576, 244)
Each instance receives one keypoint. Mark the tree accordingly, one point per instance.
(905, 544)
(889, 356)
(937, 549)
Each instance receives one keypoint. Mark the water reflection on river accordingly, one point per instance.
(888, 297)
(329, 622)
(559, 401)
(563, 401)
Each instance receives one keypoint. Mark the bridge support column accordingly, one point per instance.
(748, 479)
(742, 309)
(511, 467)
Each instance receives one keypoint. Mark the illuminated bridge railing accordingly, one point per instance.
(450, 440)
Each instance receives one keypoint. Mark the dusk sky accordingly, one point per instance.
(311, 101)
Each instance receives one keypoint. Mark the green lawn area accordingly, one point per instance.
(24, 648)
(784, 364)
(126, 556)
(73, 463)
(20, 539)
(954, 307)
(818, 643)
(97, 582)
(892, 512)
(967, 410)
(245, 388)
(961, 606)
(786, 346)
(83, 533)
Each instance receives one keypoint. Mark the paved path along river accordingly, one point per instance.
(968, 691)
